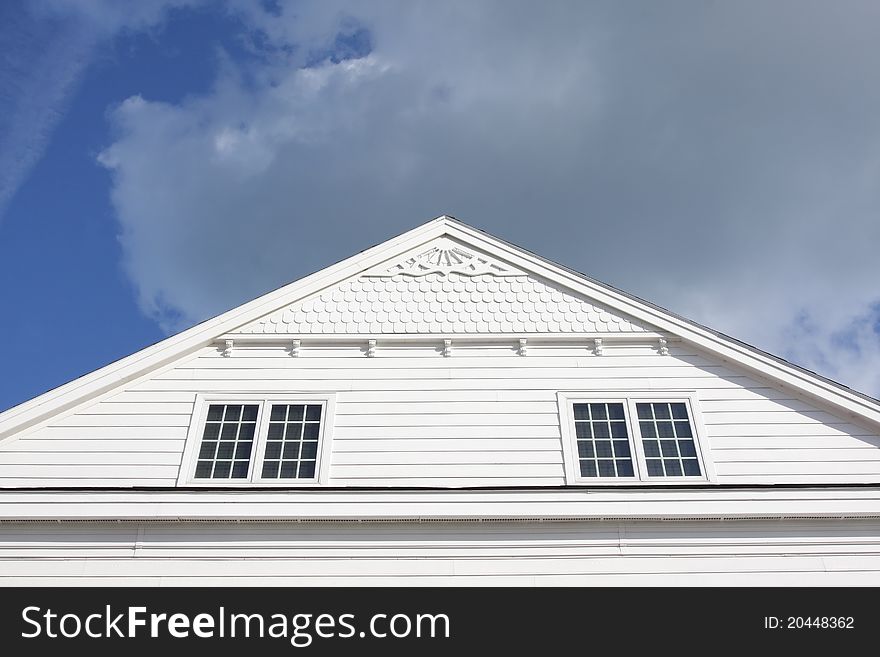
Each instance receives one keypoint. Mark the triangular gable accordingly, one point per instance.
(139, 365)
(445, 288)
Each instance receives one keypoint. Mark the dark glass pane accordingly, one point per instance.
(307, 469)
(600, 429)
(581, 412)
(624, 468)
(293, 431)
(288, 469)
(686, 448)
(683, 429)
(661, 411)
(644, 411)
(309, 451)
(664, 429)
(588, 468)
(221, 469)
(233, 413)
(647, 429)
(313, 412)
(603, 449)
(212, 431)
(270, 469)
(203, 469)
(652, 447)
(679, 411)
(668, 448)
(239, 470)
(618, 430)
(215, 412)
(207, 450)
(691, 468)
(655, 467)
(247, 431)
(598, 411)
(291, 450)
(273, 450)
(279, 413)
(225, 450)
(585, 449)
(621, 448)
(276, 431)
(295, 413)
(582, 430)
(606, 468)
(250, 413)
(243, 451)
(229, 431)
(673, 468)
(310, 431)
(615, 411)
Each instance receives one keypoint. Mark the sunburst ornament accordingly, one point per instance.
(448, 258)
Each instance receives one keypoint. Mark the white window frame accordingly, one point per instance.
(567, 399)
(186, 476)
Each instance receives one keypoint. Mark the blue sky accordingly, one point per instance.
(163, 161)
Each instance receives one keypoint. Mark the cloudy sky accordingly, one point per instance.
(163, 161)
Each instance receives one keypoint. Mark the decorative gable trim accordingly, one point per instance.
(446, 257)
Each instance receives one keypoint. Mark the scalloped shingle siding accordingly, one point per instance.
(437, 303)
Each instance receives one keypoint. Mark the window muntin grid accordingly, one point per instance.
(667, 439)
(292, 441)
(227, 441)
(602, 440)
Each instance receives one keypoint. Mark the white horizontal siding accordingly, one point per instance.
(410, 417)
(840, 552)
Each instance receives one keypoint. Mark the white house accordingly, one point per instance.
(443, 408)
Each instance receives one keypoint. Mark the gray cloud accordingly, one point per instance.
(720, 159)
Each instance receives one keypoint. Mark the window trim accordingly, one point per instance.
(186, 475)
(629, 398)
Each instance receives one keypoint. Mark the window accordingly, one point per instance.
(639, 437)
(269, 441)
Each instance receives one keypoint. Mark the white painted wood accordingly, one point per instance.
(704, 553)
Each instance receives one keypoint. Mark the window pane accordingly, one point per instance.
(601, 430)
(588, 469)
(618, 430)
(624, 468)
(606, 468)
(582, 430)
(585, 449)
(679, 411)
(598, 411)
(615, 411)
(230, 457)
(621, 448)
(673, 467)
(662, 425)
(655, 467)
(293, 441)
(581, 412)
(603, 448)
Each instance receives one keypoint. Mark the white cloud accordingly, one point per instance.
(720, 160)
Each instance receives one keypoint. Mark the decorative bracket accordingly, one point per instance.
(523, 346)
(597, 346)
(447, 348)
(371, 348)
(664, 347)
(294, 348)
(227, 348)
